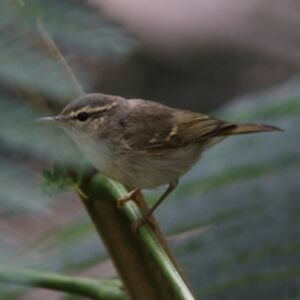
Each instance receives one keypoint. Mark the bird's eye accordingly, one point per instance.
(83, 116)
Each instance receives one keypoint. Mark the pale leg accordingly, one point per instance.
(135, 226)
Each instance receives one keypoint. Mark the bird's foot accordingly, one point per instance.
(126, 198)
(142, 221)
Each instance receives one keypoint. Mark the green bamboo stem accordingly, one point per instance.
(91, 288)
(146, 233)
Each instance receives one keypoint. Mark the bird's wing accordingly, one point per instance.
(160, 129)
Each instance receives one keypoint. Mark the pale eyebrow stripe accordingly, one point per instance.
(92, 110)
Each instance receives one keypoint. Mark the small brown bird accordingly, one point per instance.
(140, 143)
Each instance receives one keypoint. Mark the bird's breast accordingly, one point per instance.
(134, 169)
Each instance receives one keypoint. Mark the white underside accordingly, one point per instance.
(138, 170)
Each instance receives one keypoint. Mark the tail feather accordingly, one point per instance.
(249, 128)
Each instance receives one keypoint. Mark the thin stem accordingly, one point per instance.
(56, 54)
(91, 288)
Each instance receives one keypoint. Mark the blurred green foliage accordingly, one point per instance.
(58, 181)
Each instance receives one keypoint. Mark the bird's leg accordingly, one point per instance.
(126, 198)
(145, 219)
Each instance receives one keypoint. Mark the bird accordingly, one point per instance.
(140, 143)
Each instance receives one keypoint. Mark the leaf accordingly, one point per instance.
(59, 181)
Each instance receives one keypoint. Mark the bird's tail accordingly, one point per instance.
(249, 128)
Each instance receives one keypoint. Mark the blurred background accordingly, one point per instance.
(233, 223)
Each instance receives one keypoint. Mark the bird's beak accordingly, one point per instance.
(50, 120)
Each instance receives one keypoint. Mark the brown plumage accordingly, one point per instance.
(251, 128)
(154, 129)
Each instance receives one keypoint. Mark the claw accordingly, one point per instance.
(121, 201)
(140, 222)
(126, 198)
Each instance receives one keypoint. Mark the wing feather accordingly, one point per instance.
(160, 129)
